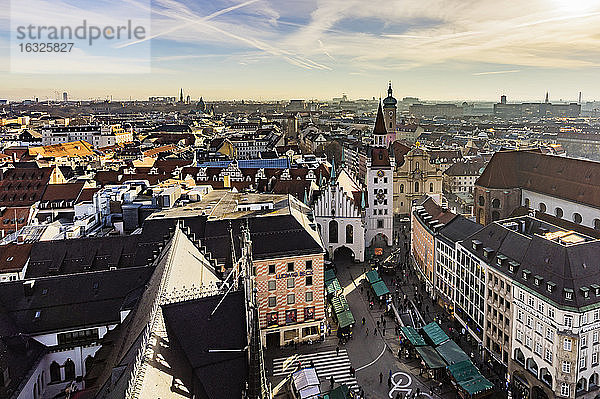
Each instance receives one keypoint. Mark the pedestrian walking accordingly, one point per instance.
(377, 323)
(380, 377)
(375, 331)
(337, 350)
(384, 323)
(367, 334)
(390, 374)
(331, 381)
(381, 317)
(383, 331)
(389, 382)
(363, 321)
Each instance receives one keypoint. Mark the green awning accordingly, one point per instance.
(333, 286)
(345, 319)
(339, 304)
(329, 275)
(380, 289)
(341, 392)
(451, 352)
(435, 334)
(431, 357)
(412, 336)
(476, 385)
(372, 276)
(463, 371)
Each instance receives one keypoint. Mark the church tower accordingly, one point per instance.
(389, 111)
(379, 218)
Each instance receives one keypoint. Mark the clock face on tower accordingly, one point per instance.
(380, 173)
(391, 113)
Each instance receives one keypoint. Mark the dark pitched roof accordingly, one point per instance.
(379, 122)
(272, 236)
(83, 255)
(87, 194)
(72, 301)
(569, 267)
(399, 150)
(571, 179)
(19, 354)
(226, 329)
(459, 228)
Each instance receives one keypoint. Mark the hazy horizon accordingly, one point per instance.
(269, 50)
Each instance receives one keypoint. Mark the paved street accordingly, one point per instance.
(372, 351)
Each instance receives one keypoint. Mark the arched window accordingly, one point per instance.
(69, 370)
(596, 224)
(416, 187)
(495, 203)
(495, 215)
(519, 356)
(333, 232)
(54, 372)
(349, 234)
(542, 207)
(558, 212)
(481, 200)
(430, 187)
(577, 218)
(532, 366)
(402, 188)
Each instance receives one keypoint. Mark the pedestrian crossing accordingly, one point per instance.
(327, 364)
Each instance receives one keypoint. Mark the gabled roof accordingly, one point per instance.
(226, 329)
(69, 302)
(63, 192)
(571, 179)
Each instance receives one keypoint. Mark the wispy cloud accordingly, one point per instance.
(496, 72)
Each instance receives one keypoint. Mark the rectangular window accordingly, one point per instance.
(583, 340)
(582, 360)
(309, 296)
(568, 321)
(272, 301)
(308, 280)
(272, 285)
(595, 337)
(567, 343)
(550, 312)
(290, 282)
(528, 341)
(566, 367)
(549, 334)
(291, 267)
(291, 299)
(594, 358)
(309, 265)
(548, 355)
(271, 269)
(272, 319)
(380, 223)
(565, 389)
(539, 327)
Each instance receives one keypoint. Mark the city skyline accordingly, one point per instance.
(261, 49)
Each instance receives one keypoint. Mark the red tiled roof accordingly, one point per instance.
(7, 220)
(87, 194)
(24, 186)
(571, 179)
(13, 257)
(66, 192)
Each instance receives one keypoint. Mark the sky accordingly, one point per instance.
(319, 49)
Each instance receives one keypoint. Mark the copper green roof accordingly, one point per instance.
(412, 336)
(451, 352)
(339, 304)
(333, 286)
(380, 289)
(329, 275)
(372, 276)
(431, 357)
(469, 378)
(345, 319)
(435, 334)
